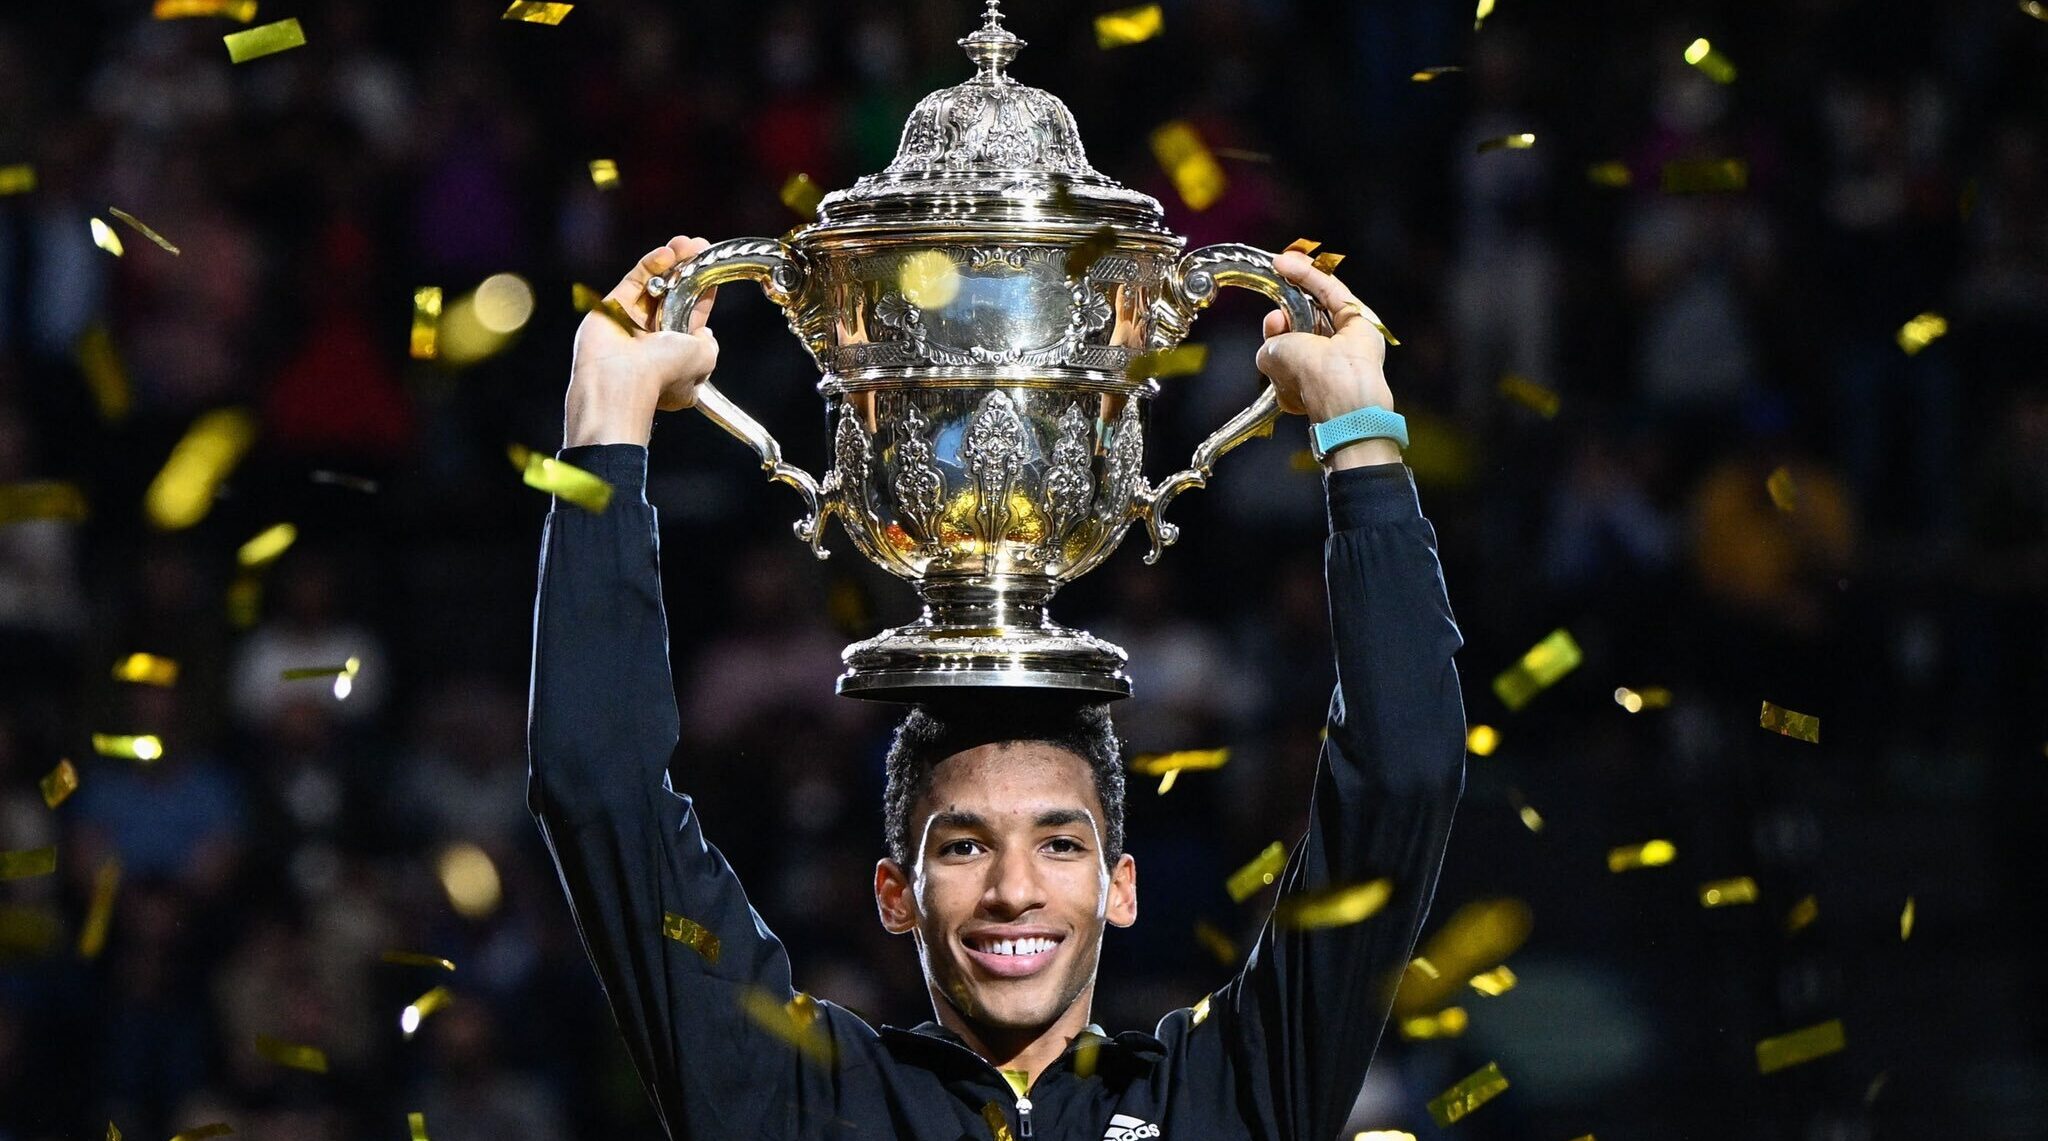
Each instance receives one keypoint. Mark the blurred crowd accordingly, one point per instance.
(1896, 163)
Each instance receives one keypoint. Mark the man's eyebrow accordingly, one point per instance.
(965, 821)
(1060, 817)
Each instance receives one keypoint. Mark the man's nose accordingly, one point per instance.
(1014, 886)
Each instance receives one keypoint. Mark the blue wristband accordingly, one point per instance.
(1351, 427)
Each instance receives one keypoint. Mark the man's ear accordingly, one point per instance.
(894, 900)
(1123, 891)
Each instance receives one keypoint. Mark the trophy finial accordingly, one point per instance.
(993, 46)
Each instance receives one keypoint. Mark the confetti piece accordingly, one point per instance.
(531, 13)
(998, 1123)
(1199, 1013)
(137, 225)
(1531, 395)
(2036, 9)
(1798, 726)
(1704, 176)
(348, 668)
(1612, 173)
(1921, 332)
(18, 178)
(1305, 246)
(113, 1132)
(1384, 1135)
(344, 480)
(1728, 892)
(147, 669)
(416, 959)
(1531, 819)
(59, 783)
(568, 482)
(929, 279)
(1432, 74)
(426, 323)
(25, 862)
(1240, 155)
(470, 880)
(1165, 364)
(1906, 921)
(1157, 764)
(1635, 701)
(795, 1022)
(29, 931)
(1538, 670)
(1480, 14)
(92, 937)
(1712, 64)
(1328, 262)
(1197, 177)
(604, 173)
(1449, 1022)
(105, 376)
(145, 748)
(202, 1132)
(1876, 1086)
(1246, 881)
(311, 1059)
(240, 11)
(1784, 494)
(1468, 1095)
(418, 1009)
(267, 547)
(41, 499)
(1216, 942)
(802, 195)
(690, 934)
(1083, 257)
(1802, 915)
(417, 1123)
(1333, 907)
(105, 238)
(182, 493)
(1166, 782)
(1520, 142)
(1495, 982)
(1774, 1054)
(1479, 936)
(263, 40)
(1648, 854)
(1128, 26)
(586, 299)
(244, 601)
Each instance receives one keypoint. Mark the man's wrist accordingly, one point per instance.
(592, 417)
(1363, 453)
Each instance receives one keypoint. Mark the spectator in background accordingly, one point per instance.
(307, 628)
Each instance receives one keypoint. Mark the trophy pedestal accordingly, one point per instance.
(977, 635)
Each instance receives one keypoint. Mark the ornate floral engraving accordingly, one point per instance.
(1126, 462)
(1087, 311)
(994, 455)
(1070, 482)
(919, 485)
(853, 452)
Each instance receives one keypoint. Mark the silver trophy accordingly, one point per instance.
(984, 313)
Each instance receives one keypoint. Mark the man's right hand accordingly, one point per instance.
(618, 379)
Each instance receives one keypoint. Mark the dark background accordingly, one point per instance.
(1897, 165)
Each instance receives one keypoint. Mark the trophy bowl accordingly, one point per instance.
(986, 314)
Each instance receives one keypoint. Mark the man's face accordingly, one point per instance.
(1009, 889)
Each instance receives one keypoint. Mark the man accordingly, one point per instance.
(1005, 827)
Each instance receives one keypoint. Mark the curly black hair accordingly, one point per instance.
(932, 731)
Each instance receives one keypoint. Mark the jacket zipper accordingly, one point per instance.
(1023, 1118)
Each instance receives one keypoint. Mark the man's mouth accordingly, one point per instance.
(1011, 956)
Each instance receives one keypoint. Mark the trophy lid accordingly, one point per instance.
(991, 149)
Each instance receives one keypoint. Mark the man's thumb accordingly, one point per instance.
(1285, 357)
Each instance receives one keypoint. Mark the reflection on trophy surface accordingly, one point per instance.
(981, 311)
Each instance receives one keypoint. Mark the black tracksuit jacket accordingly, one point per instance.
(1277, 1053)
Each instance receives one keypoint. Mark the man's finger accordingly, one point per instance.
(1346, 311)
(633, 286)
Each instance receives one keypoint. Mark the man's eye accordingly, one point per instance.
(1065, 846)
(958, 848)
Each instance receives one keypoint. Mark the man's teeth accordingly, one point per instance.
(1017, 946)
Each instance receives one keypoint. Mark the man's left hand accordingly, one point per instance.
(1318, 376)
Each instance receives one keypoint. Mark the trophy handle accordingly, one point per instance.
(1191, 286)
(770, 264)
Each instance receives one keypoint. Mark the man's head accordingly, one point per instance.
(1004, 818)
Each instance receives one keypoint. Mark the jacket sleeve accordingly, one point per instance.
(1293, 1033)
(601, 726)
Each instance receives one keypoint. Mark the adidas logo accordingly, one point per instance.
(1124, 1127)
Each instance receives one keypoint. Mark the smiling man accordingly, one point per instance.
(1004, 822)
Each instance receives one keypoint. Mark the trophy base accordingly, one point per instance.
(928, 660)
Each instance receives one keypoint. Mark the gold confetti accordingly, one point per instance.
(531, 13)
(18, 178)
(1906, 921)
(41, 499)
(1875, 1087)
(1333, 907)
(1423, 968)
(267, 547)
(1538, 670)
(568, 482)
(1197, 177)
(146, 747)
(418, 1009)
(1479, 936)
(998, 1123)
(1199, 1013)
(1613, 173)
(1307, 246)
(604, 173)
(1327, 262)
(1468, 1095)
(1798, 726)
(29, 931)
(240, 11)
(105, 376)
(470, 880)
(1265, 867)
(426, 323)
(1384, 1135)
(1128, 26)
(1158, 764)
(417, 1123)
(25, 862)
(113, 1132)
(1635, 701)
(1495, 982)
(1165, 364)
(1704, 176)
(1710, 61)
(1449, 1022)
(1728, 892)
(1531, 395)
(1648, 854)
(1482, 740)
(802, 195)
(1802, 915)
(1166, 782)
(1784, 494)
(1083, 257)
(182, 493)
(349, 668)
(202, 1132)
(586, 299)
(263, 40)
(343, 480)
(795, 1022)
(147, 669)
(1921, 332)
(416, 959)
(1479, 15)
(2036, 9)
(92, 937)
(929, 279)
(1531, 819)
(140, 228)
(1774, 1054)
(311, 1059)
(1519, 142)
(1216, 942)
(691, 935)
(105, 238)
(1432, 74)
(59, 783)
